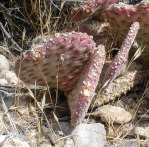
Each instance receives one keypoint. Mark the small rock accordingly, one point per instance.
(45, 144)
(45, 130)
(10, 142)
(89, 135)
(22, 110)
(60, 143)
(69, 143)
(54, 137)
(120, 130)
(3, 82)
(128, 143)
(22, 106)
(11, 77)
(65, 127)
(142, 131)
(2, 139)
(83, 135)
(7, 97)
(112, 114)
(4, 64)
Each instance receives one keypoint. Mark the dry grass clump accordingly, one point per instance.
(25, 20)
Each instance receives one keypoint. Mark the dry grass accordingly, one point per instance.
(33, 113)
(25, 20)
(117, 133)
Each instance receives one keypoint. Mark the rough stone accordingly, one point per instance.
(2, 139)
(142, 131)
(15, 142)
(83, 135)
(69, 143)
(112, 114)
(3, 82)
(4, 64)
(128, 143)
(89, 135)
(11, 77)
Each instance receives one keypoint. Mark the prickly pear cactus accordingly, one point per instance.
(113, 87)
(57, 62)
(67, 61)
(122, 15)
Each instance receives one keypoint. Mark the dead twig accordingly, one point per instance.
(10, 38)
(15, 130)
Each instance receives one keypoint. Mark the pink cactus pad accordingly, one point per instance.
(122, 15)
(58, 60)
(119, 63)
(80, 97)
(89, 7)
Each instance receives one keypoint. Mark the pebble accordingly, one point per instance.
(112, 114)
(2, 139)
(14, 141)
(11, 77)
(120, 130)
(128, 143)
(45, 145)
(54, 137)
(69, 143)
(142, 131)
(83, 135)
(89, 135)
(4, 64)
(6, 76)
(3, 82)
(66, 127)
(129, 129)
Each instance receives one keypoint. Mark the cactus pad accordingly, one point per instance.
(57, 61)
(122, 15)
(119, 63)
(80, 97)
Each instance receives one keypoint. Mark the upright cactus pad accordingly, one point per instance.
(119, 63)
(89, 7)
(122, 15)
(57, 62)
(80, 97)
